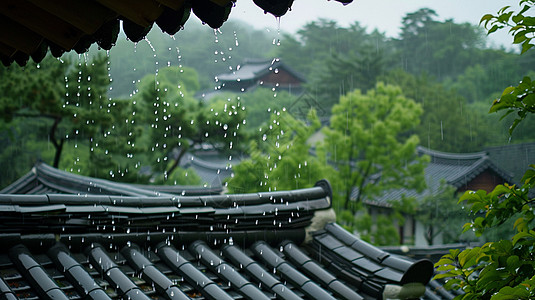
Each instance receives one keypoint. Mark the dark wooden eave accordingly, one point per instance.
(32, 28)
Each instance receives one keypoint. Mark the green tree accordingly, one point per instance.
(439, 214)
(448, 123)
(33, 92)
(441, 49)
(281, 158)
(341, 73)
(179, 123)
(369, 146)
(343, 58)
(261, 103)
(70, 97)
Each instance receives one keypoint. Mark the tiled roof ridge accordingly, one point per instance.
(217, 218)
(262, 67)
(45, 171)
(19, 183)
(43, 179)
(510, 145)
(190, 190)
(449, 155)
(477, 168)
(196, 160)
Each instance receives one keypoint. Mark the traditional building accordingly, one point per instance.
(254, 73)
(463, 171)
(70, 237)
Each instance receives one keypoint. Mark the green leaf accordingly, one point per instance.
(522, 235)
(507, 292)
(529, 176)
(528, 21)
(513, 126)
(519, 37)
(508, 90)
(468, 257)
(525, 47)
(493, 29)
(517, 18)
(486, 18)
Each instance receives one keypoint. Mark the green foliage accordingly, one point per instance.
(343, 58)
(441, 49)
(179, 123)
(280, 160)
(520, 25)
(447, 123)
(368, 145)
(502, 269)
(346, 72)
(368, 148)
(515, 99)
(439, 214)
(260, 103)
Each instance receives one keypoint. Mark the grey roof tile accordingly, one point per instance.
(456, 169)
(513, 158)
(201, 247)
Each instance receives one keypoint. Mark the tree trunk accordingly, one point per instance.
(57, 145)
(429, 235)
(183, 151)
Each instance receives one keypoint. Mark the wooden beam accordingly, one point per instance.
(18, 37)
(222, 3)
(41, 22)
(7, 50)
(141, 12)
(173, 4)
(86, 15)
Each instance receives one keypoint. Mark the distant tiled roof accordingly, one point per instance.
(253, 69)
(44, 179)
(456, 169)
(459, 168)
(514, 158)
(212, 168)
(31, 28)
(241, 246)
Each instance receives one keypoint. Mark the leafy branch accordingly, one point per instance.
(497, 270)
(519, 99)
(520, 26)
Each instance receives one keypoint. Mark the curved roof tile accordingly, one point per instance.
(31, 28)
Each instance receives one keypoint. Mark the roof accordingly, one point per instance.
(211, 166)
(44, 179)
(253, 69)
(32, 28)
(456, 169)
(239, 246)
(514, 158)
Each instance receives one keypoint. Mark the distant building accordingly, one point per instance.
(514, 158)
(464, 171)
(255, 73)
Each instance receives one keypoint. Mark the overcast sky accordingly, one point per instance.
(384, 15)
